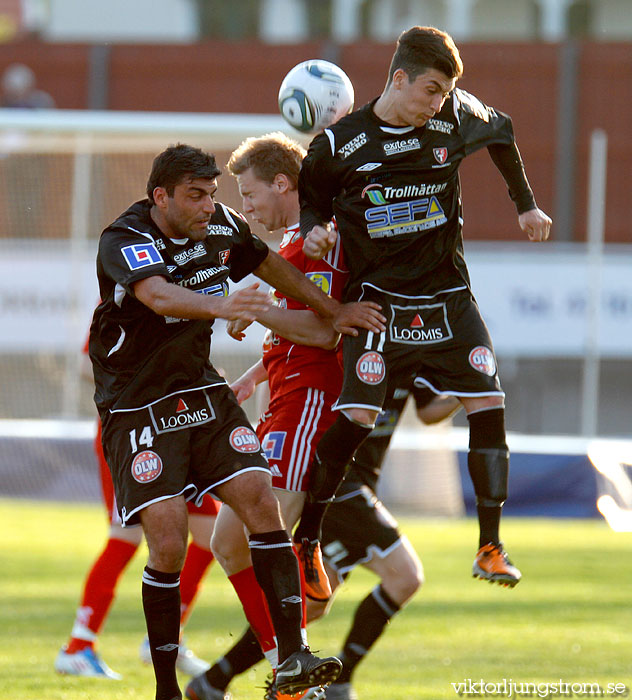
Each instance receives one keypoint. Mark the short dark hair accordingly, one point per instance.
(268, 155)
(421, 48)
(178, 164)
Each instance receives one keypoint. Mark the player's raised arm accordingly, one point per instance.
(533, 221)
(168, 299)
(345, 318)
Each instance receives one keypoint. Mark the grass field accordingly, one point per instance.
(570, 619)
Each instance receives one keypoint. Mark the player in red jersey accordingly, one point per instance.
(303, 370)
(78, 657)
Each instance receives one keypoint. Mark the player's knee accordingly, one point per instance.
(363, 417)
(402, 583)
(167, 552)
(230, 557)
(407, 587)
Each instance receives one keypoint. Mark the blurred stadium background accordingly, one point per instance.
(131, 80)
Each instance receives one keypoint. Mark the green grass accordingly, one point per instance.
(570, 618)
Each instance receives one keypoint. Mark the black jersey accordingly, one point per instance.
(367, 463)
(395, 192)
(137, 355)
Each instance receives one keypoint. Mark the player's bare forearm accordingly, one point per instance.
(345, 318)
(245, 386)
(300, 326)
(536, 224)
(283, 276)
(168, 299)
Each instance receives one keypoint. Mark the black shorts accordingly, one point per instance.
(184, 444)
(442, 340)
(356, 527)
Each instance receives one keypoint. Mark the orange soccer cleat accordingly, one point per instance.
(317, 586)
(493, 565)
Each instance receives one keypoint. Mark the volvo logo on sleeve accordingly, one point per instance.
(419, 324)
(482, 359)
(370, 368)
(146, 467)
(244, 440)
(181, 411)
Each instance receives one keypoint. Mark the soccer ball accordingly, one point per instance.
(314, 95)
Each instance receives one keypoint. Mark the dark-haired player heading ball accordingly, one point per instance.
(389, 174)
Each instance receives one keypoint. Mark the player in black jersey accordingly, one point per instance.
(172, 429)
(389, 174)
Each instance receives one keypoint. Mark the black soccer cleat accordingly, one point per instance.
(302, 670)
(200, 689)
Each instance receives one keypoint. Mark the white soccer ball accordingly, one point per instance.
(314, 95)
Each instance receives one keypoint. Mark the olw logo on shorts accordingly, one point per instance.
(146, 467)
(244, 440)
(482, 360)
(370, 368)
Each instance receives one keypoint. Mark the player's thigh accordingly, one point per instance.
(461, 363)
(356, 527)
(365, 373)
(147, 467)
(202, 520)
(250, 495)
(224, 450)
(290, 431)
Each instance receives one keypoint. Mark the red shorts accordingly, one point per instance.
(209, 505)
(290, 431)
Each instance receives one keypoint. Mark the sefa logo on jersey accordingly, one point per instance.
(244, 440)
(322, 280)
(146, 467)
(140, 255)
(370, 368)
(482, 359)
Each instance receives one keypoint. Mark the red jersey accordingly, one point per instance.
(290, 365)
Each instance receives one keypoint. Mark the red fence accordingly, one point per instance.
(521, 79)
